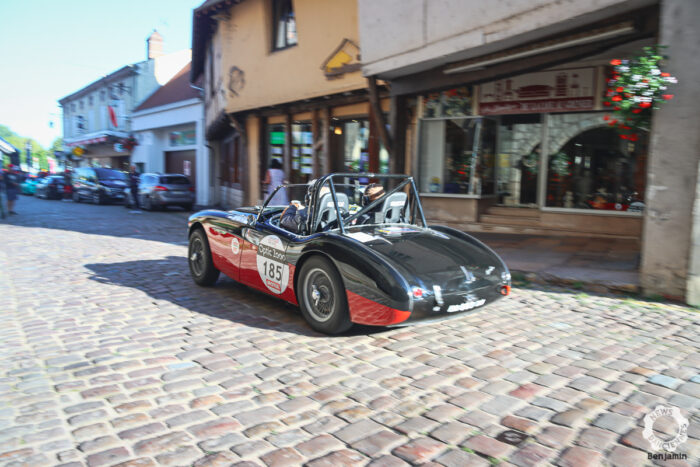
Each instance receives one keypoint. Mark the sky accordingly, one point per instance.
(50, 49)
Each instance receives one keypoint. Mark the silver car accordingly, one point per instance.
(157, 191)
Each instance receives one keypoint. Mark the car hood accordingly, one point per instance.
(428, 257)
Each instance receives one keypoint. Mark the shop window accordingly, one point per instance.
(593, 168)
(284, 28)
(458, 156)
(355, 136)
(518, 159)
(302, 150)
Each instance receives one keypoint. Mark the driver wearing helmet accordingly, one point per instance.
(373, 192)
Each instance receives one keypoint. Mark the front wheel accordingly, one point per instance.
(199, 258)
(76, 196)
(322, 297)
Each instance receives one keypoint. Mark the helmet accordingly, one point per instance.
(373, 192)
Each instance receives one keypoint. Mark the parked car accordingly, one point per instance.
(98, 185)
(50, 187)
(28, 186)
(378, 263)
(158, 191)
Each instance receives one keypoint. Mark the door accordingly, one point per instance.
(225, 243)
(181, 162)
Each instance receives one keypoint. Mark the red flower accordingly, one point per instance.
(625, 127)
(607, 103)
(612, 122)
(634, 137)
(645, 105)
(616, 108)
(636, 111)
(606, 118)
(667, 97)
(619, 89)
(665, 75)
(624, 136)
(616, 62)
(616, 98)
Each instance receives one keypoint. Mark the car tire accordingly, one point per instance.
(322, 297)
(96, 198)
(199, 259)
(76, 197)
(147, 204)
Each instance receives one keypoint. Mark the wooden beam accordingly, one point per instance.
(376, 111)
(315, 153)
(288, 146)
(326, 166)
(397, 124)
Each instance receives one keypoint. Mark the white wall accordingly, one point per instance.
(405, 36)
(152, 127)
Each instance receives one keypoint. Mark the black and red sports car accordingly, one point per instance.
(348, 251)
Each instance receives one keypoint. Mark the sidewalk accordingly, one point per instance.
(594, 264)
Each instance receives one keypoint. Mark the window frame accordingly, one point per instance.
(277, 9)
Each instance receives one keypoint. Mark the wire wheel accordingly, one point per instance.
(322, 296)
(319, 295)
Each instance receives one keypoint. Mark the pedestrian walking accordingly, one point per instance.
(274, 177)
(3, 214)
(12, 181)
(134, 186)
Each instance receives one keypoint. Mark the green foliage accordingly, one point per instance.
(20, 142)
(637, 86)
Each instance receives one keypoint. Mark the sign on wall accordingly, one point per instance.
(547, 91)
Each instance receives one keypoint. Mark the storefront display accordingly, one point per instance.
(302, 149)
(458, 156)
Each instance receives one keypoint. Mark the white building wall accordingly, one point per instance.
(152, 128)
(406, 36)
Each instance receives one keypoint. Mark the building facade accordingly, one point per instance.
(97, 118)
(169, 129)
(282, 81)
(512, 131)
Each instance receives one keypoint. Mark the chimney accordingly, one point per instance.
(154, 45)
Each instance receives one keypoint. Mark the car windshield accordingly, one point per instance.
(360, 199)
(174, 180)
(110, 174)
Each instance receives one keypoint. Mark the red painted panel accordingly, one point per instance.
(222, 255)
(366, 311)
(250, 276)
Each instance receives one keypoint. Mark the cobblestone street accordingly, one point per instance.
(111, 355)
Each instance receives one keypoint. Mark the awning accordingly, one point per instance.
(84, 142)
(7, 148)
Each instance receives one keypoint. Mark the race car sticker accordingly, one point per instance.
(362, 237)
(397, 230)
(235, 245)
(272, 264)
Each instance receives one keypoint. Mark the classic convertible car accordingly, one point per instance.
(348, 254)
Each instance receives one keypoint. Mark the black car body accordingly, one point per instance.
(393, 270)
(98, 185)
(50, 187)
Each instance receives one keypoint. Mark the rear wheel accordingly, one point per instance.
(322, 297)
(199, 258)
(76, 196)
(147, 205)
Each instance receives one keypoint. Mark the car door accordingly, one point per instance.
(264, 263)
(226, 242)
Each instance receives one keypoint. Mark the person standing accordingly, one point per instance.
(12, 181)
(134, 186)
(274, 177)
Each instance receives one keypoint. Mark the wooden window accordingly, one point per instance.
(284, 26)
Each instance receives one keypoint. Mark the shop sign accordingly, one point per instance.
(183, 138)
(548, 91)
(276, 137)
(455, 102)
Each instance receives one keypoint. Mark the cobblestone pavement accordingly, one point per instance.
(110, 355)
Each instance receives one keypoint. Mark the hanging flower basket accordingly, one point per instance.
(635, 88)
(129, 143)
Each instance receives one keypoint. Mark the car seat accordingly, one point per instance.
(326, 213)
(393, 206)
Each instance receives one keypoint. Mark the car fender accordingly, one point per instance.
(377, 292)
